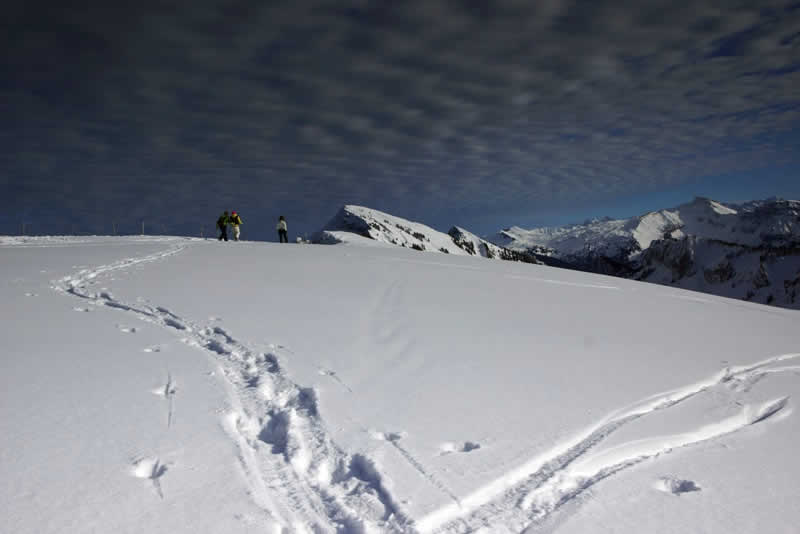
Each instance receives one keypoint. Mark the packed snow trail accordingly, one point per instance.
(295, 473)
(305, 483)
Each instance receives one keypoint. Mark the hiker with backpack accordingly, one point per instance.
(235, 221)
(222, 225)
(283, 235)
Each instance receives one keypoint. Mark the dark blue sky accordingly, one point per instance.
(484, 113)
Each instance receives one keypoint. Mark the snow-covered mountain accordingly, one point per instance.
(749, 251)
(354, 222)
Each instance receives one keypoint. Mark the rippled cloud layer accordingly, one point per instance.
(170, 111)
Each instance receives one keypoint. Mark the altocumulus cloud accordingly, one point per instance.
(171, 111)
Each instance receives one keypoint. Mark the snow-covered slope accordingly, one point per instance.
(749, 251)
(352, 222)
(174, 385)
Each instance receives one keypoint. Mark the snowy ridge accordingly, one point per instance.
(389, 229)
(70, 241)
(749, 251)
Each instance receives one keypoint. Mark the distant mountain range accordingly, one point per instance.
(747, 251)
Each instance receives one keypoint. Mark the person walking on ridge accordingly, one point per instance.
(222, 224)
(236, 221)
(283, 234)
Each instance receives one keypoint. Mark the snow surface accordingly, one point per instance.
(184, 385)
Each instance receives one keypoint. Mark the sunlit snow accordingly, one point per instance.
(181, 385)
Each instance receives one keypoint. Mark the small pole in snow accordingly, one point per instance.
(114, 226)
(23, 228)
(201, 232)
(142, 227)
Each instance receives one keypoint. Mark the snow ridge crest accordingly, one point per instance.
(353, 224)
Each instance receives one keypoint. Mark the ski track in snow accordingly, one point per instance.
(335, 377)
(528, 496)
(561, 282)
(307, 484)
(394, 439)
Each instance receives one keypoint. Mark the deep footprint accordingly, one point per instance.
(391, 437)
(450, 448)
(676, 486)
(151, 469)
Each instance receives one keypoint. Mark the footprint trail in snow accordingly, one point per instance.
(296, 474)
(304, 482)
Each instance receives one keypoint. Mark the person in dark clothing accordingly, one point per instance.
(222, 224)
(283, 234)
